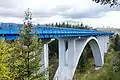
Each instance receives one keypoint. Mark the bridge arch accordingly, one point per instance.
(74, 52)
(96, 51)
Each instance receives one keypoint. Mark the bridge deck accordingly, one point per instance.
(10, 31)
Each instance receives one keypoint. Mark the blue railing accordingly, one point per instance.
(10, 31)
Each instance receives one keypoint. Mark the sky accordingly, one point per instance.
(71, 11)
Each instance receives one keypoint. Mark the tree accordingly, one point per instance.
(31, 49)
(67, 25)
(46, 24)
(59, 25)
(63, 24)
(110, 2)
(117, 43)
(5, 73)
(86, 27)
(16, 60)
(52, 24)
(56, 24)
(82, 26)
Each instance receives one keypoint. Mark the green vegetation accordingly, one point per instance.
(5, 74)
(117, 43)
(67, 25)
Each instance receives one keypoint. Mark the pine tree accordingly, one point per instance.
(16, 60)
(81, 26)
(117, 43)
(56, 24)
(52, 24)
(31, 49)
(67, 25)
(63, 24)
(86, 27)
(59, 25)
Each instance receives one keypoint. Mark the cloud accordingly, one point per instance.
(55, 11)
(92, 12)
(8, 12)
(41, 14)
(46, 11)
(11, 12)
(110, 19)
(7, 3)
(12, 4)
(61, 8)
(13, 8)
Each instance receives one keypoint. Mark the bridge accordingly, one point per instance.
(71, 45)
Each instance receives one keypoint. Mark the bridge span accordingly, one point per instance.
(75, 39)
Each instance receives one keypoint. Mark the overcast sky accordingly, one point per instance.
(73, 11)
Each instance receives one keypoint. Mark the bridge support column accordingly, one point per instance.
(71, 58)
(103, 40)
(71, 53)
(61, 53)
(46, 58)
(62, 60)
(66, 59)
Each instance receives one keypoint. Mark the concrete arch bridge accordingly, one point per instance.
(71, 45)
